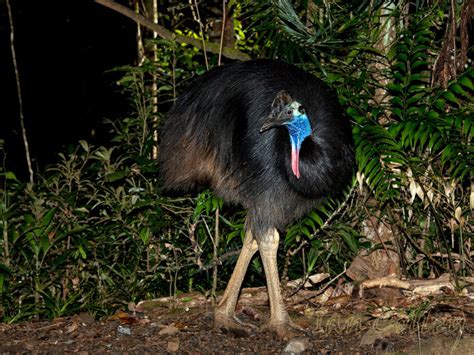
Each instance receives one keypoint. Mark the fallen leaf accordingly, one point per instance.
(72, 328)
(169, 330)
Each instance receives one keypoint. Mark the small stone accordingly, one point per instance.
(296, 345)
(124, 330)
(173, 345)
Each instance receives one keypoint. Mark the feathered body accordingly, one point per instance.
(211, 138)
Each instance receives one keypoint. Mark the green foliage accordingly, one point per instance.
(95, 232)
(412, 138)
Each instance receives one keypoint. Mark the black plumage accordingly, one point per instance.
(212, 138)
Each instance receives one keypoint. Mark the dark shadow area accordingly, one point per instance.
(64, 50)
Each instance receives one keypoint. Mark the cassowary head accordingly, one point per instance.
(289, 113)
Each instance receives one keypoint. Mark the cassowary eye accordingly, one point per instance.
(288, 113)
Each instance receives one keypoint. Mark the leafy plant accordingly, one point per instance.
(95, 232)
(412, 138)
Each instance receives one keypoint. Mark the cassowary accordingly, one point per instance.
(268, 136)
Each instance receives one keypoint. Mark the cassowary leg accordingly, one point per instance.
(224, 314)
(280, 321)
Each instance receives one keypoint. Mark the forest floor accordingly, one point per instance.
(382, 322)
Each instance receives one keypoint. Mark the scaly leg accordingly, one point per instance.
(279, 319)
(224, 314)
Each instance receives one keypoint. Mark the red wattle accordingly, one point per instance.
(295, 162)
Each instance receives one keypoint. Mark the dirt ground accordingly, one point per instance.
(442, 324)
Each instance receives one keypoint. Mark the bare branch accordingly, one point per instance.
(20, 99)
(164, 33)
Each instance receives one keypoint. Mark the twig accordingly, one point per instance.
(221, 44)
(336, 212)
(164, 33)
(305, 242)
(197, 18)
(421, 250)
(377, 232)
(323, 288)
(216, 249)
(440, 229)
(20, 99)
(219, 260)
(5, 221)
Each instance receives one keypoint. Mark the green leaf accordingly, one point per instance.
(117, 175)
(419, 63)
(395, 87)
(82, 252)
(398, 76)
(414, 110)
(397, 101)
(424, 32)
(402, 57)
(84, 145)
(448, 95)
(432, 115)
(415, 98)
(306, 232)
(48, 217)
(309, 222)
(417, 88)
(401, 67)
(421, 48)
(9, 175)
(397, 112)
(145, 235)
(422, 39)
(458, 90)
(350, 240)
(354, 113)
(439, 104)
(418, 77)
(370, 166)
(316, 218)
(402, 48)
(466, 82)
(416, 56)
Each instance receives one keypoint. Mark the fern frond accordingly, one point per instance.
(380, 158)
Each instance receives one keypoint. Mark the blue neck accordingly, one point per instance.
(299, 128)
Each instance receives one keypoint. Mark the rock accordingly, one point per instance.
(124, 330)
(173, 345)
(296, 345)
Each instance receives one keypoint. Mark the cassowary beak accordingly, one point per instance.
(276, 117)
(272, 122)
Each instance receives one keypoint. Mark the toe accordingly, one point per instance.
(232, 325)
(286, 331)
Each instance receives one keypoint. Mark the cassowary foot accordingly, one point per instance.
(286, 331)
(232, 325)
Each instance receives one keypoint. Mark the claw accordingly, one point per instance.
(232, 325)
(286, 331)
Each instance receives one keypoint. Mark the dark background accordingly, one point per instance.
(64, 49)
